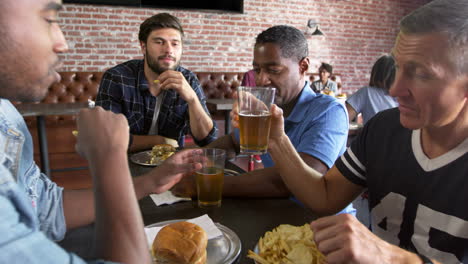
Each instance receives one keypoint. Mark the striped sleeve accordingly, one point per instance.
(352, 168)
(370, 151)
(354, 162)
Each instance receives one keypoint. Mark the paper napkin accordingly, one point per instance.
(204, 221)
(167, 198)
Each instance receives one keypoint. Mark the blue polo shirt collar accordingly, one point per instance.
(299, 111)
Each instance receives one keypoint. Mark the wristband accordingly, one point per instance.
(425, 259)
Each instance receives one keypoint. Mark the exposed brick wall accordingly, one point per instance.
(357, 33)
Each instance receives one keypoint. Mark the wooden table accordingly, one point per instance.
(249, 218)
(40, 111)
(224, 105)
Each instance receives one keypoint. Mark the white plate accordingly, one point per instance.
(221, 250)
(144, 158)
(257, 251)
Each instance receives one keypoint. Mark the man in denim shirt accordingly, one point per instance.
(161, 100)
(33, 210)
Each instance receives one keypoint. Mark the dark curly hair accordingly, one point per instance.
(158, 21)
(327, 67)
(290, 40)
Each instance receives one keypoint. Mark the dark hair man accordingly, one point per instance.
(34, 211)
(411, 159)
(316, 124)
(162, 100)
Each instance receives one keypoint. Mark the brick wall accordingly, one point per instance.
(357, 32)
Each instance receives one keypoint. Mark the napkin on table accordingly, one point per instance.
(167, 198)
(204, 221)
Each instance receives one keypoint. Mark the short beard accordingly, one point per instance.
(153, 64)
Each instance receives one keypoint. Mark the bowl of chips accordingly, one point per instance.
(287, 244)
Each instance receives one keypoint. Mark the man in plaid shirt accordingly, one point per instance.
(161, 100)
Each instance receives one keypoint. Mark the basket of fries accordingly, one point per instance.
(287, 244)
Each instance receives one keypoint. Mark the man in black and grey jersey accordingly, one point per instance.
(412, 159)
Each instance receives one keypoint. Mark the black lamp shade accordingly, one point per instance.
(317, 32)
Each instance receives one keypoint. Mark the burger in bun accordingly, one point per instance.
(180, 243)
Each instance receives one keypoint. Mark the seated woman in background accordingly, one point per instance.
(370, 100)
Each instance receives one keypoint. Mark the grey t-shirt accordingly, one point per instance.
(317, 86)
(371, 100)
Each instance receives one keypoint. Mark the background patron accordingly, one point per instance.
(370, 100)
(324, 83)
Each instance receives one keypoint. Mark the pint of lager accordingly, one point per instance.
(210, 177)
(254, 118)
(254, 130)
(209, 186)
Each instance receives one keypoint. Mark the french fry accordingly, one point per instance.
(256, 257)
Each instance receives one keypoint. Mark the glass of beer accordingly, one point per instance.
(254, 118)
(210, 177)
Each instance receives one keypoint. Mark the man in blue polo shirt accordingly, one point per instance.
(316, 124)
(161, 100)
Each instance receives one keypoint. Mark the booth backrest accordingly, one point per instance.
(81, 86)
(74, 87)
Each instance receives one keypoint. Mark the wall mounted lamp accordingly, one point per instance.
(312, 28)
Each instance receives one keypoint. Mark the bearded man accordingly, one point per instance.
(161, 100)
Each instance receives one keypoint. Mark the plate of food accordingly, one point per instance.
(154, 157)
(287, 244)
(220, 250)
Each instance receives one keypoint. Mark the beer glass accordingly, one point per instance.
(210, 177)
(254, 118)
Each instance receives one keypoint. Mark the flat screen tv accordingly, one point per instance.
(236, 6)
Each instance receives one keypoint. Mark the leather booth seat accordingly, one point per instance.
(81, 86)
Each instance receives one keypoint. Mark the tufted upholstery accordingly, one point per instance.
(81, 86)
(74, 87)
(220, 84)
